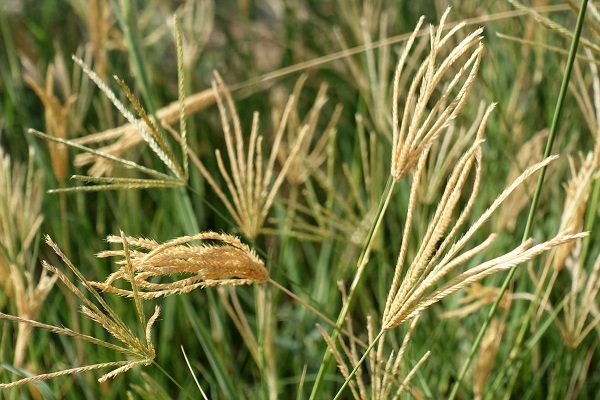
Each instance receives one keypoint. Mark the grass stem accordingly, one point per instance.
(161, 369)
(362, 261)
(357, 366)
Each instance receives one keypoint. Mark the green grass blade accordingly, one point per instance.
(45, 389)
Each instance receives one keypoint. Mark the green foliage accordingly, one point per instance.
(262, 341)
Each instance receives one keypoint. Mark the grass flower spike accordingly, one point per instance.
(422, 284)
(149, 132)
(232, 263)
(21, 190)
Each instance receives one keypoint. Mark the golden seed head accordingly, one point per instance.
(231, 263)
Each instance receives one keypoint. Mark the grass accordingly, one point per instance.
(349, 188)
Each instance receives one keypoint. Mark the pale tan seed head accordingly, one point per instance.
(414, 291)
(421, 122)
(251, 177)
(138, 349)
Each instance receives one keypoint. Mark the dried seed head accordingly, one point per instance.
(232, 263)
(419, 125)
(252, 185)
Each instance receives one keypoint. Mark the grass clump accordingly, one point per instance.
(341, 225)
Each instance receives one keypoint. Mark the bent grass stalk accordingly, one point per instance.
(201, 100)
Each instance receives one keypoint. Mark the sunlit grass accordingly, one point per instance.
(287, 222)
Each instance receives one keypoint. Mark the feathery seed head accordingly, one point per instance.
(231, 263)
(440, 253)
(421, 122)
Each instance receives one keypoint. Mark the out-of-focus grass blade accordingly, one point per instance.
(45, 389)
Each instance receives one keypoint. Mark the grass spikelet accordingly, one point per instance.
(157, 147)
(154, 139)
(410, 298)
(158, 141)
(310, 156)
(162, 180)
(232, 263)
(385, 371)
(580, 317)
(126, 135)
(580, 302)
(56, 117)
(181, 92)
(414, 291)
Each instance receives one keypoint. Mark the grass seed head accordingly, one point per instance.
(231, 263)
(422, 124)
(252, 186)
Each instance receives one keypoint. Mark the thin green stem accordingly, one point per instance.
(383, 204)
(529, 346)
(553, 129)
(185, 392)
(357, 366)
(362, 261)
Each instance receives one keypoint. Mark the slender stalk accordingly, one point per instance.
(528, 346)
(315, 311)
(362, 359)
(185, 392)
(362, 261)
(551, 137)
